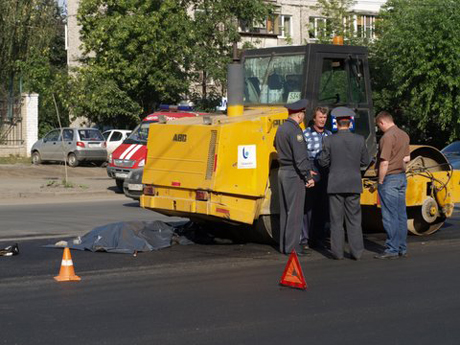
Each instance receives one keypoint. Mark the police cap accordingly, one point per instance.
(343, 112)
(295, 107)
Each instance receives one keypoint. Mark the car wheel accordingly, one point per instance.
(119, 184)
(36, 158)
(72, 160)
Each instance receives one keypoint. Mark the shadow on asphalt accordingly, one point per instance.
(373, 246)
(132, 204)
(115, 190)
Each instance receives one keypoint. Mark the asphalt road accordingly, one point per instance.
(223, 294)
(64, 219)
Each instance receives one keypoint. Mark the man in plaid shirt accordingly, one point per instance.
(316, 203)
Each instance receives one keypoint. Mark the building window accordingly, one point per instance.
(285, 26)
(259, 28)
(365, 26)
(317, 27)
(276, 24)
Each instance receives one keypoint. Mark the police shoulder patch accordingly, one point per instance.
(300, 138)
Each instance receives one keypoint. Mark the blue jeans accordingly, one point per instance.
(392, 195)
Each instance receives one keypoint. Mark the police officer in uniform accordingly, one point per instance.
(293, 176)
(344, 153)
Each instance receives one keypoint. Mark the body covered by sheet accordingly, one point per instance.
(126, 237)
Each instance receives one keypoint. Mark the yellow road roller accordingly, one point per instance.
(222, 168)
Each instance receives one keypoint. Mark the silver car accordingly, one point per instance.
(73, 144)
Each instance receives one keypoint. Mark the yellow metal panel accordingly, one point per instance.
(235, 208)
(416, 191)
(231, 177)
(369, 195)
(455, 186)
(180, 157)
(168, 203)
(235, 110)
(177, 164)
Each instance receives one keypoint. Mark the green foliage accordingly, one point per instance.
(338, 21)
(206, 104)
(416, 67)
(215, 29)
(100, 98)
(32, 55)
(143, 53)
(45, 77)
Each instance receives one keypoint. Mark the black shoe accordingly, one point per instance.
(10, 250)
(318, 245)
(386, 256)
(306, 251)
(404, 255)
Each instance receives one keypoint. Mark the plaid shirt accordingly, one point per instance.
(314, 141)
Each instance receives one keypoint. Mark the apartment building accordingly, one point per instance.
(294, 22)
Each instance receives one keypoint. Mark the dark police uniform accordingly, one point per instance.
(344, 153)
(293, 173)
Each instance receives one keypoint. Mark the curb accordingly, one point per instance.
(57, 195)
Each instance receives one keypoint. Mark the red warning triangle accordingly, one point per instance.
(292, 275)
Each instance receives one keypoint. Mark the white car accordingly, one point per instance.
(114, 137)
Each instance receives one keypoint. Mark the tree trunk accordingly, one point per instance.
(203, 85)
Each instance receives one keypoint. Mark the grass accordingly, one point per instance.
(15, 159)
(63, 184)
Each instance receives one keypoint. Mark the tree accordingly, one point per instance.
(416, 67)
(141, 53)
(338, 20)
(45, 72)
(32, 54)
(215, 25)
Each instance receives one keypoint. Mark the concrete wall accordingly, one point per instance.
(25, 130)
(30, 120)
(73, 34)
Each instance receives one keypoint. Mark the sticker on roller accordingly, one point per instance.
(293, 97)
(247, 158)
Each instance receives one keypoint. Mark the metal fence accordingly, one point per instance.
(11, 133)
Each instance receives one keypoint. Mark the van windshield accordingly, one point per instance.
(140, 134)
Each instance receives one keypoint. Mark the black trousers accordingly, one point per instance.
(292, 199)
(316, 213)
(346, 206)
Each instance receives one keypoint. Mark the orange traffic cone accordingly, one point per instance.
(67, 273)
